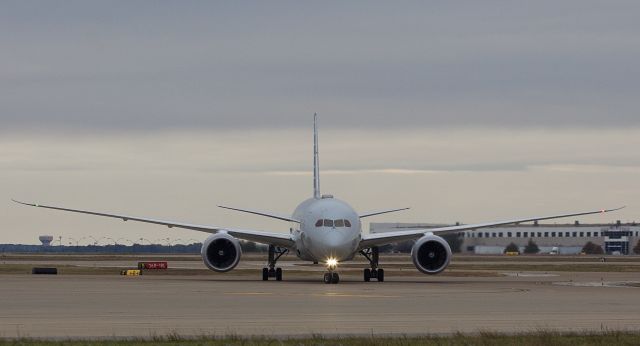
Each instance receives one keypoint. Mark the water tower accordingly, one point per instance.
(46, 239)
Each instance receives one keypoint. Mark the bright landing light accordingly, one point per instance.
(332, 262)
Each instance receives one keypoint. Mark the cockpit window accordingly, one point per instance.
(333, 223)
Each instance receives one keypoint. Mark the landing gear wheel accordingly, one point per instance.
(270, 271)
(367, 275)
(327, 278)
(335, 278)
(372, 254)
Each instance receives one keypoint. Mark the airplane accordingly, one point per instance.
(326, 230)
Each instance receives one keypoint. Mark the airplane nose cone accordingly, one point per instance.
(335, 244)
(335, 239)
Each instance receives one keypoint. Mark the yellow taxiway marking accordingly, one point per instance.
(248, 293)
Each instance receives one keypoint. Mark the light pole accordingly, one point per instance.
(95, 241)
(77, 241)
(169, 243)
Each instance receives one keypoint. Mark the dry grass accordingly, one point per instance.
(539, 338)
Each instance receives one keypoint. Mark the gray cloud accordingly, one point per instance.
(117, 66)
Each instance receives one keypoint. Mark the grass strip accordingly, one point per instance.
(538, 338)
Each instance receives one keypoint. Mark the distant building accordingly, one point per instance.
(46, 239)
(614, 239)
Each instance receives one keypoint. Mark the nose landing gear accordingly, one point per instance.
(374, 273)
(271, 271)
(331, 277)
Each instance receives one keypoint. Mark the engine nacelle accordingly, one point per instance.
(221, 252)
(431, 254)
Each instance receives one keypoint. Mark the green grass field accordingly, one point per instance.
(541, 338)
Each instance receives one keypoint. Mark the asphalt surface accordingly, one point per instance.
(110, 305)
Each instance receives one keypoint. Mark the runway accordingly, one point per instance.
(111, 305)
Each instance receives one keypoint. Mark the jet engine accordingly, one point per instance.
(221, 252)
(431, 254)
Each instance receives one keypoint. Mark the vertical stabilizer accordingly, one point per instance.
(316, 163)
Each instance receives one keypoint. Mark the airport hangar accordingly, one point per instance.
(567, 239)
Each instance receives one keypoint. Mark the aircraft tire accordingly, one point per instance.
(380, 275)
(367, 275)
(265, 274)
(327, 278)
(279, 274)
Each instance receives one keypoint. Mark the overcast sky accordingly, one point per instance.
(465, 111)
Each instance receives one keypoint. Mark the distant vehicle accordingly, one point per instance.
(554, 251)
(324, 230)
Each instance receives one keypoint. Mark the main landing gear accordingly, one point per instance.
(271, 271)
(374, 273)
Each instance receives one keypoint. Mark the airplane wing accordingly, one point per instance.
(262, 213)
(372, 213)
(272, 238)
(378, 239)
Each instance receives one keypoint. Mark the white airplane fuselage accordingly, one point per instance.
(329, 229)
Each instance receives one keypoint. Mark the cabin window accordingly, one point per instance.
(339, 223)
(347, 223)
(328, 223)
(509, 234)
(319, 223)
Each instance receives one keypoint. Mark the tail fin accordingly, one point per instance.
(316, 163)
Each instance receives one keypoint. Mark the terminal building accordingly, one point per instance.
(615, 239)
